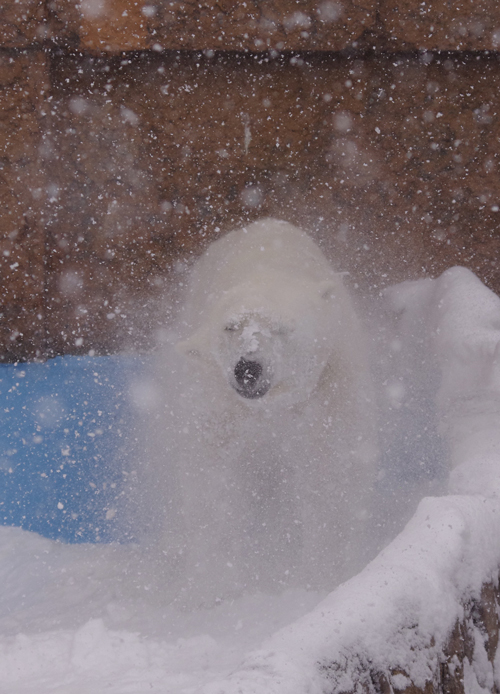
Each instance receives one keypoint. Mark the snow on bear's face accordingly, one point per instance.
(274, 344)
(264, 324)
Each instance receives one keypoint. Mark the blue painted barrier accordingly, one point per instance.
(65, 432)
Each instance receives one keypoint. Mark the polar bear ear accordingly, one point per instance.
(192, 347)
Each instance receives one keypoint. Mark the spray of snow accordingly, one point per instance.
(268, 418)
(89, 617)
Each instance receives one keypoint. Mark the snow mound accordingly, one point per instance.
(80, 619)
(396, 616)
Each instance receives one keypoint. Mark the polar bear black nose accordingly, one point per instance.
(249, 381)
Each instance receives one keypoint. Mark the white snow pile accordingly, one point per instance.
(79, 619)
(87, 618)
(396, 615)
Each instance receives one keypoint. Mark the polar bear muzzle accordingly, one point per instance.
(250, 381)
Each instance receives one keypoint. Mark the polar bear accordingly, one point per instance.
(273, 431)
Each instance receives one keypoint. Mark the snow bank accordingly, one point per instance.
(453, 324)
(83, 618)
(395, 616)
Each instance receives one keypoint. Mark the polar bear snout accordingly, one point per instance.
(250, 380)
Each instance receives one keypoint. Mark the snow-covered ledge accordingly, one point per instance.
(424, 615)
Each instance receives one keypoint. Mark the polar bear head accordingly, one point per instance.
(266, 313)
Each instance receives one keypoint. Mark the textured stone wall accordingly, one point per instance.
(23, 89)
(474, 639)
(122, 157)
(113, 26)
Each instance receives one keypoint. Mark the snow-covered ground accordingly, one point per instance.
(79, 618)
(73, 621)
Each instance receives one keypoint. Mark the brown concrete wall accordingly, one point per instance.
(117, 165)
